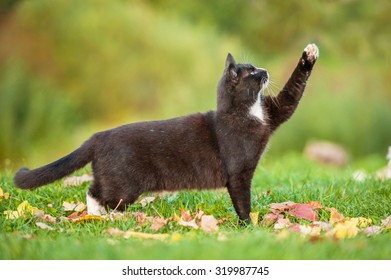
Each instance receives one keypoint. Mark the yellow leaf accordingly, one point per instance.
(176, 236)
(3, 195)
(364, 222)
(347, 229)
(88, 218)
(254, 217)
(10, 215)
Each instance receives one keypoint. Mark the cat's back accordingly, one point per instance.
(177, 133)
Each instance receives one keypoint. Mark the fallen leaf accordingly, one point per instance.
(335, 216)
(88, 218)
(22, 210)
(315, 204)
(75, 181)
(323, 225)
(281, 207)
(282, 223)
(364, 222)
(185, 215)
(74, 215)
(347, 229)
(78, 207)
(3, 195)
(372, 230)
(146, 200)
(270, 219)
(254, 216)
(303, 211)
(181, 222)
(312, 231)
(157, 223)
(386, 222)
(208, 224)
(44, 226)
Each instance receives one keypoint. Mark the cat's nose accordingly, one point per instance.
(264, 74)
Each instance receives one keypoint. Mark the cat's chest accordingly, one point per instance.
(256, 110)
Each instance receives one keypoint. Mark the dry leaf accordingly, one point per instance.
(372, 230)
(315, 204)
(254, 216)
(208, 224)
(303, 211)
(3, 195)
(270, 219)
(282, 223)
(386, 222)
(281, 207)
(347, 229)
(146, 200)
(157, 223)
(22, 210)
(364, 222)
(77, 207)
(185, 215)
(312, 231)
(88, 218)
(44, 226)
(335, 216)
(75, 181)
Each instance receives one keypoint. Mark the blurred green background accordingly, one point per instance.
(69, 68)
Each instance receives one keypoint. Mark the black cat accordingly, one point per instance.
(216, 149)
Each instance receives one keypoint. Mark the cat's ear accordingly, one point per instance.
(230, 67)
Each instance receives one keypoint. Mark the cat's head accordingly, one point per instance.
(240, 85)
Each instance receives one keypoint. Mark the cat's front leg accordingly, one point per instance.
(239, 191)
(281, 107)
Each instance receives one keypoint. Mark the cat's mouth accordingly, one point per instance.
(264, 81)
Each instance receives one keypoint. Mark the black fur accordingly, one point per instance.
(216, 149)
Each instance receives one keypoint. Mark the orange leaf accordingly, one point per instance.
(335, 216)
(209, 223)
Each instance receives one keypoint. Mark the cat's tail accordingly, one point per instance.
(31, 179)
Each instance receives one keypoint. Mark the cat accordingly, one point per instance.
(200, 151)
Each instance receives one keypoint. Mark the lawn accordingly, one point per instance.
(287, 178)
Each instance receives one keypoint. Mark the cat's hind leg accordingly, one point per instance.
(94, 207)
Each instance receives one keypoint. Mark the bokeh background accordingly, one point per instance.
(69, 68)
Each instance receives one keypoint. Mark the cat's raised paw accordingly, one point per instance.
(312, 52)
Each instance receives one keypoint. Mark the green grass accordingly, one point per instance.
(289, 178)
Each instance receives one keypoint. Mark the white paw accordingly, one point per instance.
(94, 207)
(312, 52)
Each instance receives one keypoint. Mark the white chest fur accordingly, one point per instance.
(256, 109)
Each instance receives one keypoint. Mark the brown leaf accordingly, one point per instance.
(278, 208)
(327, 153)
(185, 215)
(157, 223)
(270, 219)
(208, 224)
